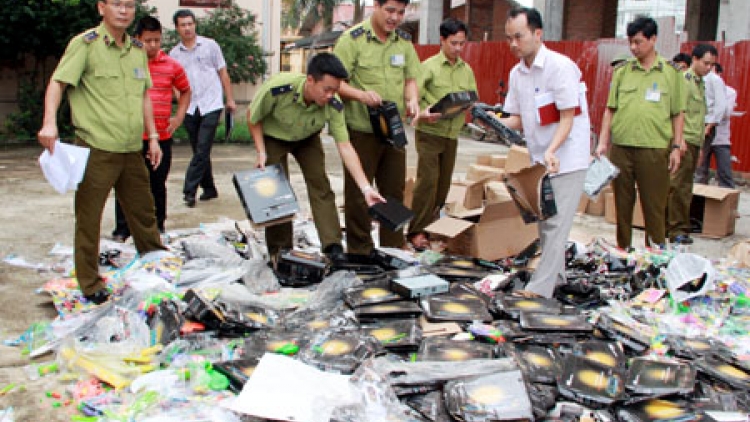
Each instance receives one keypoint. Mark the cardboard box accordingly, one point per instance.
(518, 158)
(713, 210)
(596, 207)
(583, 203)
(495, 192)
(468, 193)
(478, 172)
(531, 190)
(499, 233)
(484, 159)
(498, 160)
(610, 212)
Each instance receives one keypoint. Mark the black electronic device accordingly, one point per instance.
(297, 268)
(454, 103)
(392, 214)
(387, 125)
(266, 194)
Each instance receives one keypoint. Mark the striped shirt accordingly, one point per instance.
(166, 74)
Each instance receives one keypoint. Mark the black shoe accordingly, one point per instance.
(335, 253)
(209, 195)
(99, 297)
(189, 200)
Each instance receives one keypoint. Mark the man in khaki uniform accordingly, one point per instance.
(645, 115)
(286, 117)
(108, 115)
(437, 138)
(681, 189)
(382, 65)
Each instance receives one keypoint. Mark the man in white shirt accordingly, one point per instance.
(563, 146)
(716, 101)
(720, 100)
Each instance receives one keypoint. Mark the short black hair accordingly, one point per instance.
(533, 17)
(643, 24)
(718, 69)
(326, 64)
(452, 26)
(700, 50)
(183, 13)
(682, 58)
(147, 23)
(382, 2)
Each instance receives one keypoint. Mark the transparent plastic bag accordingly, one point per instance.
(601, 171)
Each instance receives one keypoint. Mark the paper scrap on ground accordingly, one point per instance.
(282, 388)
(65, 168)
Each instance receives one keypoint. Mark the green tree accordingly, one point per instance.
(33, 37)
(233, 28)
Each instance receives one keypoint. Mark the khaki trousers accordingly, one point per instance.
(311, 158)
(647, 168)
(681, 194)
(437, 157)
(386, 167)
(127, 173)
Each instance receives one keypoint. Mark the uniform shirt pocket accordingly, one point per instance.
(109, 81)
(628, 95)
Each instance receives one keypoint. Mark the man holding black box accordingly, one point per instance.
(383, 66)
(310, 102)
(547, 101)
(436, 134)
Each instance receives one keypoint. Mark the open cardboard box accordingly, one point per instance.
(713, 210)
(531, 190)
(518, 158)
(468, 193)
(498, 232)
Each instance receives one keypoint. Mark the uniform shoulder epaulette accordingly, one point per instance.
(136, 43)
(621, 64)
(688, 76)
(674, 65)
(357, 32)
(281, 89)
(403, 34)
(336, 104)
(90, 36)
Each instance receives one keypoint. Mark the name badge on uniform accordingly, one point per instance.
(653, 94)
(139, 73)
(397, 60)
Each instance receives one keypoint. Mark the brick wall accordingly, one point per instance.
(589, 20)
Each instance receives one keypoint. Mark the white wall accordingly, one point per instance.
(734, 22)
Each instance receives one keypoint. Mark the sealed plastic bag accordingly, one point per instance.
(689, 275)
(600, 173)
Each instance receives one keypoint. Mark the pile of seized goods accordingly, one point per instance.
(209, 331)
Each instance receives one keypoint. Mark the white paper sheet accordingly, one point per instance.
(282, 388)
(65, 168)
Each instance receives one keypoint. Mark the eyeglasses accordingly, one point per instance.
(127, 5)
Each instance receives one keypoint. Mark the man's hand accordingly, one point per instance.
(260, 160)
(551, 161)
(412, 107)
(47, 136)
(426, 115)
(602, 148)
(154, 153)
(370, 98)
(174, 123)
(674, 161)
(372, 196)
(231, 106)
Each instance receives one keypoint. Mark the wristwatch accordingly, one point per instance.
(675, 146)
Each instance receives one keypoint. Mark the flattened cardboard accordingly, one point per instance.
(495, 192)
(499, 233)
(517, 160)
(714, 209)
(478, 172)
(498, 160)
(532, 192)
(484, 159)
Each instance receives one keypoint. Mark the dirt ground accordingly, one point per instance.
(34, 218)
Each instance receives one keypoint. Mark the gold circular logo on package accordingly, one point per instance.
(257, 317)
(662, 409)
(456, 308)
(335, 347)
(383, 334)
(266, 187)
(601, 357)
(318, 324)
(538, 359)
(456, 354)
(733, 372)
(528, 304)
(593, 379)
(374, 292)
(462, 263)
(562, 322)
(486, 394)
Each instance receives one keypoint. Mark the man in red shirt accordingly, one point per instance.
(167, 75)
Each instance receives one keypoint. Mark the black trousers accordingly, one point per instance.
(158, 179)
(201, 131)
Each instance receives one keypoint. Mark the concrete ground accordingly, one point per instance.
(35, 218)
